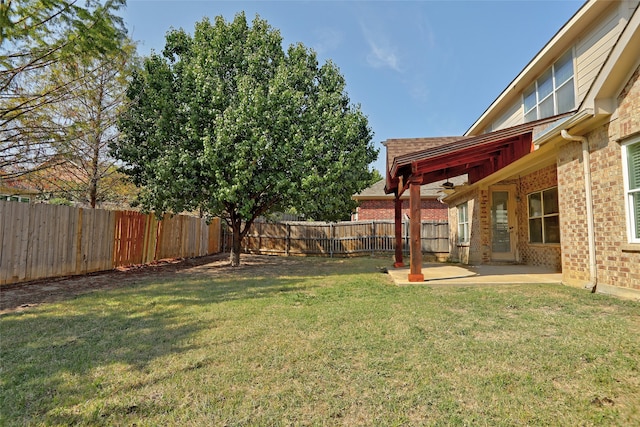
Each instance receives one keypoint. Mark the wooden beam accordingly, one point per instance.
(415, 271)
(398, 230)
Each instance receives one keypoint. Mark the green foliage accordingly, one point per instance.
(375, 176)
(60, 201)
(34, 36)
(227, 122)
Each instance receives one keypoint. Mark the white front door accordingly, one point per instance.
(503, 223)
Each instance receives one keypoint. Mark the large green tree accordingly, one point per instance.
(228, 123)
(36, 35)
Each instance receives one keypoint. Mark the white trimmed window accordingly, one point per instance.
(553, 93)
(14, 198)
(631, 159)
(544, 217)
(463, 223)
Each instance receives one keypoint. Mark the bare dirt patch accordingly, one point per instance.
(22, 296)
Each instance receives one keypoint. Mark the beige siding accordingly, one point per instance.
(512, 117)
(592, 50)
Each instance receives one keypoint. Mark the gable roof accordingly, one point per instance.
(579, 24)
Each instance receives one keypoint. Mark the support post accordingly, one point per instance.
(398, 232)
(415, 272)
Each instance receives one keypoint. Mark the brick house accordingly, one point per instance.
(16, 189)
(553, 164)
(375, 204)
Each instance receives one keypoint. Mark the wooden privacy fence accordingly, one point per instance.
(41, 241)
(343, 238)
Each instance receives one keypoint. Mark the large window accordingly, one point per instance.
(553, 93)
(463, 223)
(631, 155)
(544, 218)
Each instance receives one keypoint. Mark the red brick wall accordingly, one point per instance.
(629, 107)
(617, 261)
(432, 210)
(479, 248)
(548, 255)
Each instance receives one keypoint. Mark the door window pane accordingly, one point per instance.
(501, 241)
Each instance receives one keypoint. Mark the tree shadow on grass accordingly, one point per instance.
(57, 356)
(24, 296)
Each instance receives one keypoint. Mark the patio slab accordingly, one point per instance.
(466, 275)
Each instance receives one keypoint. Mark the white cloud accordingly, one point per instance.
(328, 39)
(382, 53)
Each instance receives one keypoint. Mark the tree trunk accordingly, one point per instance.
(236, 244)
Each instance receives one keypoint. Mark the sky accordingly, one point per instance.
(416, 68)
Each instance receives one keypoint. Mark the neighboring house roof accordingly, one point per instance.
(429, 191)
(16, 186)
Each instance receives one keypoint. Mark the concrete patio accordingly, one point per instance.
(437, 274)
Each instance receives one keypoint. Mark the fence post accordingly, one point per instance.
(331, 239)
(288, 241)
(79, 243)
(372, 241)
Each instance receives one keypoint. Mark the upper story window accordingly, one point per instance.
(631, 156)
(553, 93)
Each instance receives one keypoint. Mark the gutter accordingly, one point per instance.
(562, 124)
(586, 162)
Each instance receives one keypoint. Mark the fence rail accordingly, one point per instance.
(343, 238)
(42, 241)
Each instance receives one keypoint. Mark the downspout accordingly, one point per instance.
(586, 163)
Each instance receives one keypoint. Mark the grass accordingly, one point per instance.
(321, 342)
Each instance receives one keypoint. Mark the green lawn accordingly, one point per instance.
(321, 342)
